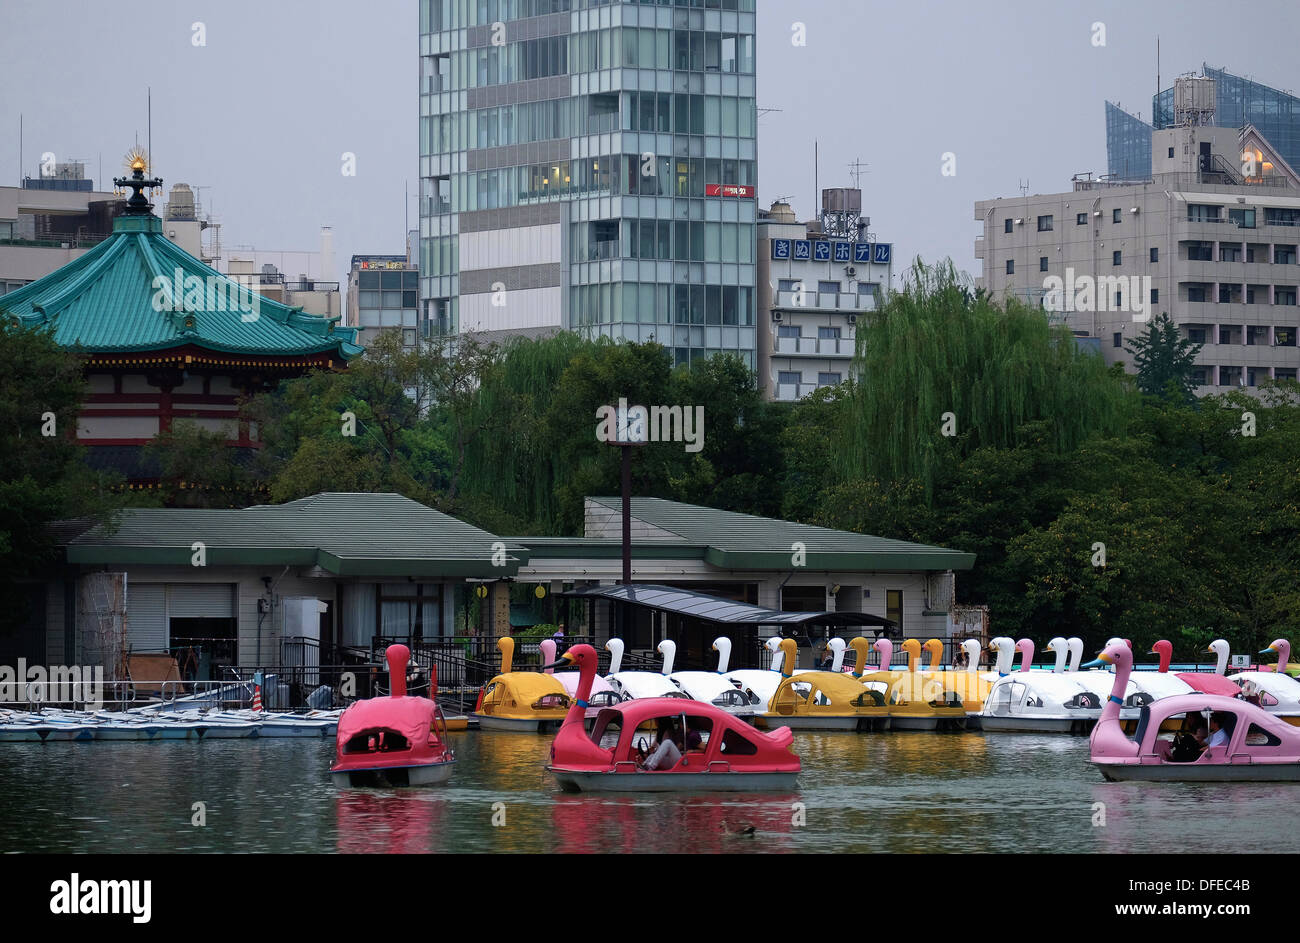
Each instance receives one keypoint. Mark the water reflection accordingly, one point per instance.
(891, 792)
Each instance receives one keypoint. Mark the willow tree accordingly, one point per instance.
(944, 371)
(517, 468)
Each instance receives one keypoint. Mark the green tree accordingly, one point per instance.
(43, 477)
(1164, 360)
(944, 372)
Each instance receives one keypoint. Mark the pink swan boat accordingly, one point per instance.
(732, 756)
(1260, 745)
(571, 679)
(396, 740)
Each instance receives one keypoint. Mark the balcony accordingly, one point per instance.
(789, 392)
(814, 347)
(825, 301)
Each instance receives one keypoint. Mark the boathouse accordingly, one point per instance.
(333, 577)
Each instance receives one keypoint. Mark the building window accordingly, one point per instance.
(828, 379)
(1155, 296)
(1080, 219)
(1119, 301)
(1115, 215)
(1195, 292)
(1196, 335)
(1200, 251)
(1284, 373)
(1006, 225)
(828, 288)
(1117, 339)
(789, 284)
(1284, 337)
(867, 288)
(1229, 376)
(789, 377)
(1011, 267)
(1284, 296)
(1200, 376)
(1155, 254)
(1115, 257)
(1171, 152)
(788, 330)
(1044, 224)
(1244, 218)
(1042, 263)
(1225, 335)
(894, 608)
(1284, 255)
(828, 333)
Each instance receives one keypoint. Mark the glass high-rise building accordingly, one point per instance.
(591, 166)
(1238, 102)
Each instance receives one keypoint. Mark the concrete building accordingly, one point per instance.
(1211, 238)
(45, 228)
(590, 165)
(383, 294)
(814, 281)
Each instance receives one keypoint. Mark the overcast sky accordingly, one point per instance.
(261, 114)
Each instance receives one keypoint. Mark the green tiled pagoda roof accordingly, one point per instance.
(103, 302)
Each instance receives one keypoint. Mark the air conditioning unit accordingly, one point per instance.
(1020, 222)
(850, 271)
(853, 319)
(1096, 212)
(776, 317)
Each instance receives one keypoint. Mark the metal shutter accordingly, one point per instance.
(146, 617)
(200, 601)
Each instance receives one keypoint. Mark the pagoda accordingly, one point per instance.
(166, 338)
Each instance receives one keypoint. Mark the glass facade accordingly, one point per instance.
(1238, 102)
(631, 123)
(1128, 144)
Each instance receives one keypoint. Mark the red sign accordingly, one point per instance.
(727, 189)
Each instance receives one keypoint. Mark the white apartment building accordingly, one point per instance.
(814, 281)
(1211, 239)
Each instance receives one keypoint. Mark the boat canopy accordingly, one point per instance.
(527, 686)
(840, 689)
(716, 609)
(409, 716)
(1208, 683)
(640, 684)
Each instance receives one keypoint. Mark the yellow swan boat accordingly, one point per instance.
(915, 701)
(522, 701)
(820, 700)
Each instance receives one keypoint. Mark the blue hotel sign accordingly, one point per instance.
(802, 250)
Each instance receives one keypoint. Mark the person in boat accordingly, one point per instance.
(668, 751)
(1220, 728)
(1189, 744)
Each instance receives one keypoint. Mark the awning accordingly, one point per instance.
(716, 609)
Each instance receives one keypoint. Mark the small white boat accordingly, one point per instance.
(1036, 701)
(714, 688)
(629, 685)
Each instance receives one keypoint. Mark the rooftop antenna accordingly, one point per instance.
(762, 111)
(817, 193)
(856, 172)
(1024, 187)
(149, 139)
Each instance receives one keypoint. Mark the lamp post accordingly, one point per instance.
(630, 430)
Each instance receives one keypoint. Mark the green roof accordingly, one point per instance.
(104, 302)
(372, 535)
(746, 542)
